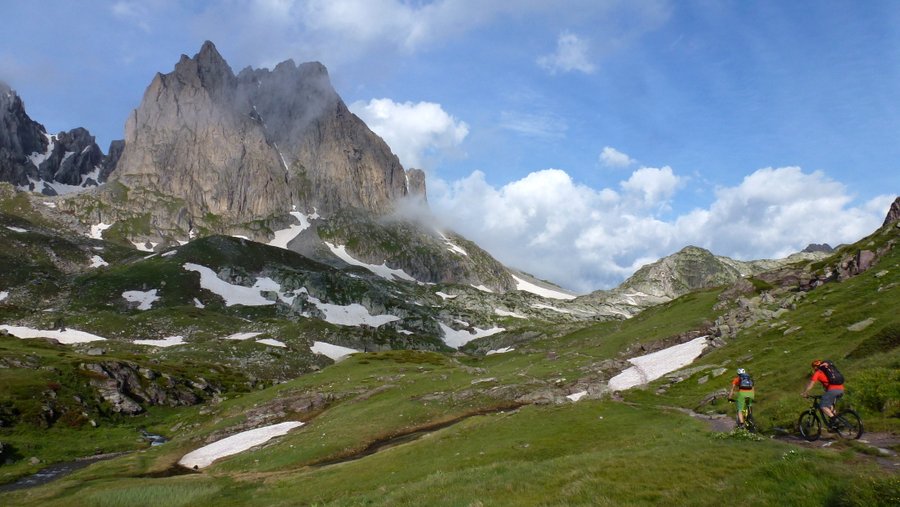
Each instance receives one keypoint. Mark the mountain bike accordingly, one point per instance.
(747, 411)
(846, 423)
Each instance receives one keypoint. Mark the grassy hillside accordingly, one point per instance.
(497, 430)
(431, 426)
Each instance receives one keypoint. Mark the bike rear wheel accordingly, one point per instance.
(749, 421)
(847, 424)
(809, 425)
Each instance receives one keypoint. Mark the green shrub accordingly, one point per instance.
(878, 390)
(883, 341)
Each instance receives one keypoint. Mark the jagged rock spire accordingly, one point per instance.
(249, 146)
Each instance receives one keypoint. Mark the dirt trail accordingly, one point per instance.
(879, 445)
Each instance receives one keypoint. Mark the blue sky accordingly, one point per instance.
(575, 140)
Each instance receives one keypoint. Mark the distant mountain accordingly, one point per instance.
(31, 159)
(687, 270)
(815, 247)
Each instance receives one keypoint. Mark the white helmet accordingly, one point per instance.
(741, 371)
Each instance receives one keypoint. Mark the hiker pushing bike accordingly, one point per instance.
(846, 424)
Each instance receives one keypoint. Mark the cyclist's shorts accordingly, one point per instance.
(830, 397)
(741, 396)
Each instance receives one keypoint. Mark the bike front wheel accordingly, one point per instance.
(848, 425)
(809, 425)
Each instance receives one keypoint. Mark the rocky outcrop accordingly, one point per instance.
(415, 183)
(815, 247)
(73, 157)
(893, 214)
(112, 159)
(125, 386)
(257, 144)
(294, 405)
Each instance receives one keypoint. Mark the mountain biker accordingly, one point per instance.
(744, 384)
(833, 390)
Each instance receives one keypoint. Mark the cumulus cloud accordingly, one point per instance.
(414, 131)
(571, 55)
(651, 187)
(612, 157)
(585, 239)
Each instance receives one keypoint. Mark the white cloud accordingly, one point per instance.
(415, 132)
(541, 125)
(586, 239)
(651, 186)
(571, 55)
(612, 157)
(134, 12)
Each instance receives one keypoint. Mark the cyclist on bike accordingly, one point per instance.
(833, 383)
(744, 384)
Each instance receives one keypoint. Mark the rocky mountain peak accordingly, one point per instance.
(254, 145)
(207, 69)
(20, 136)
(32, 160)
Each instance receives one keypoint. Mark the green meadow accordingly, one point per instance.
(432, 428)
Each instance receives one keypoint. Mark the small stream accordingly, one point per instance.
(55, 471)
(386, 443)
(58, 470)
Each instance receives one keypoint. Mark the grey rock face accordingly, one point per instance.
(893, 214)
(74, 154)
(20, 136)
(125, 386)
(249, 146)
(28, 153)
(416, 183)
(112, 159)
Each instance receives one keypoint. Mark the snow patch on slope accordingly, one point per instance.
(651, 366)
(527, 286)
(97, 230)
(381, 270)
(232, 294)
(335, 352)
(285, 236)
(457, 339)
(145, 299)
(69, 336)
(168, 341)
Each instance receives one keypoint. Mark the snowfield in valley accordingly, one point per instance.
(204, 456)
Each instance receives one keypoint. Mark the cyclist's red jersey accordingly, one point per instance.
(820, 376)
